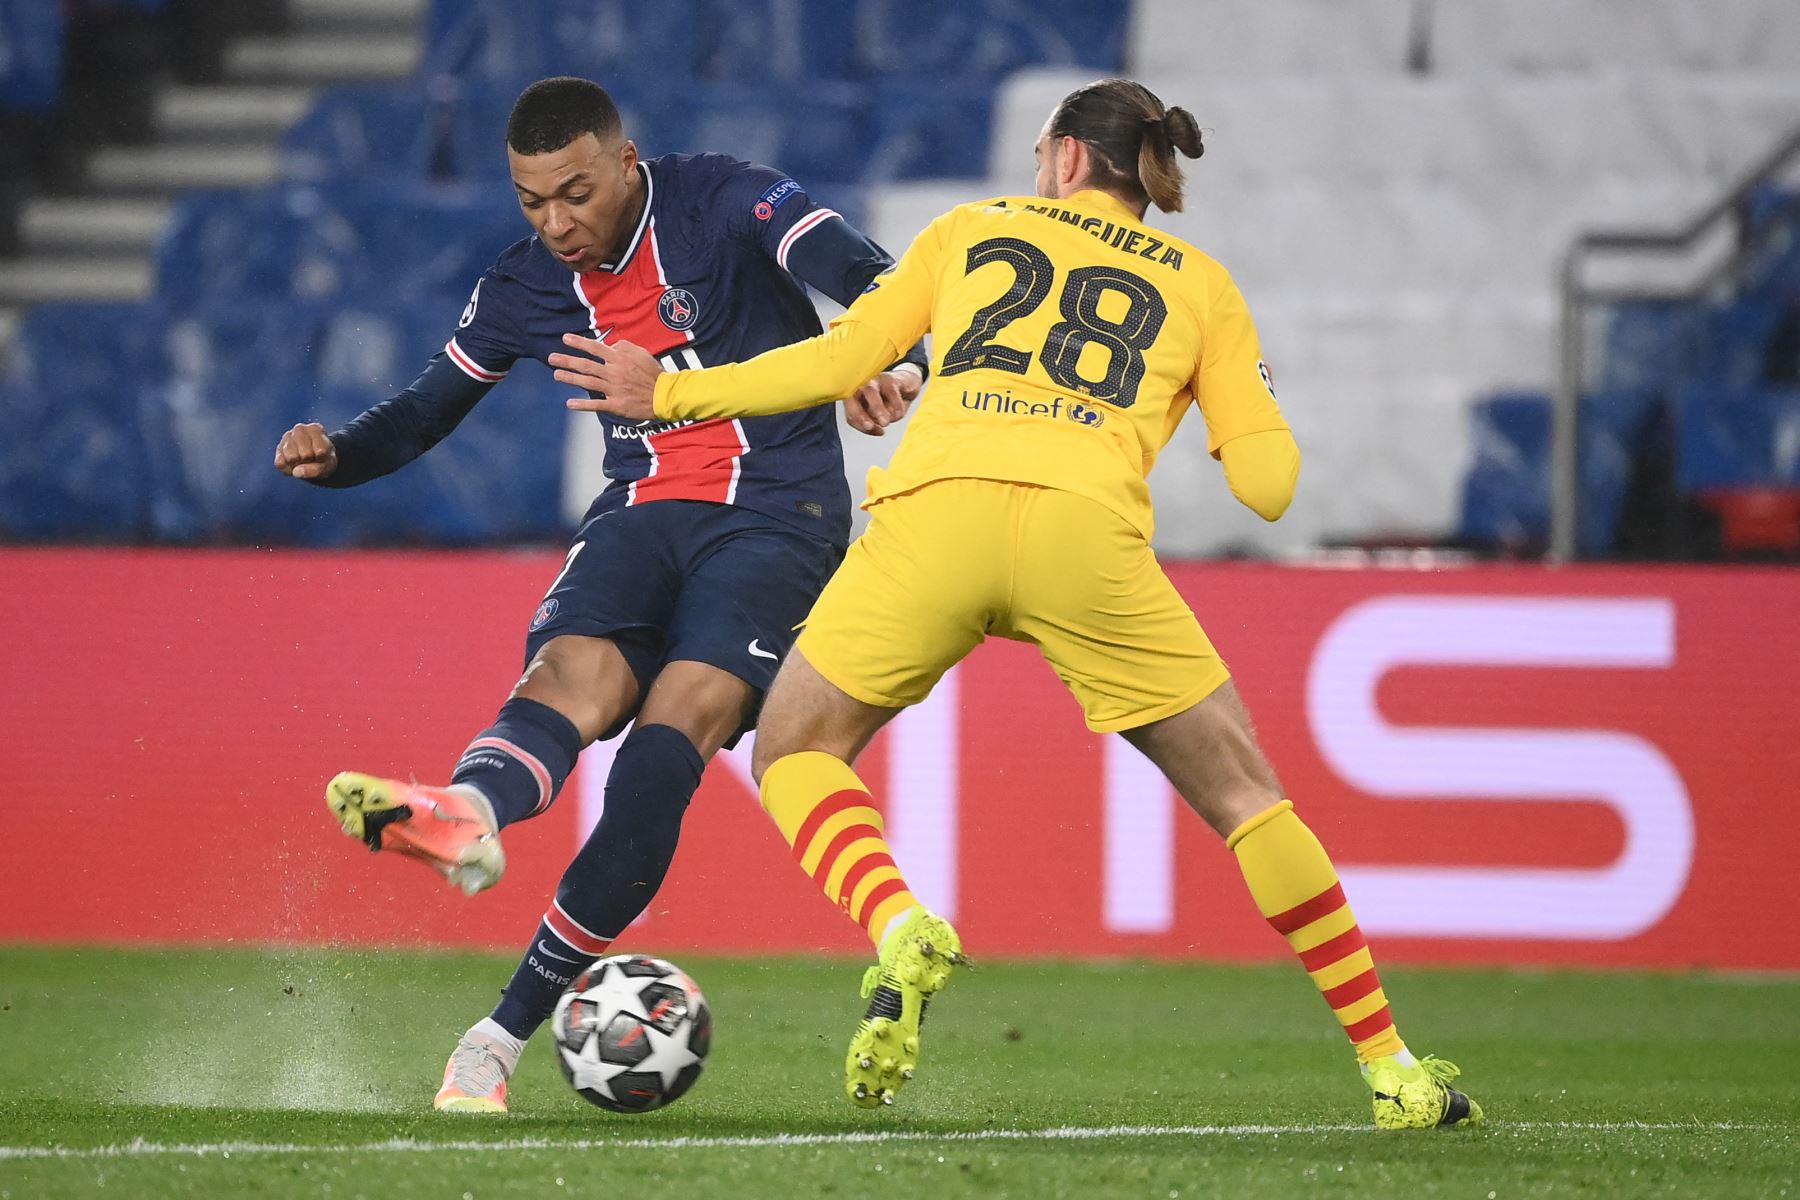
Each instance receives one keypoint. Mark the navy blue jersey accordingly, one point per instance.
(712, 274)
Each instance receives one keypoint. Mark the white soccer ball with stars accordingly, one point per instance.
(632, 1033)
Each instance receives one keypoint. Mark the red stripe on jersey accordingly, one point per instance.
(694, 462)
(470, 367)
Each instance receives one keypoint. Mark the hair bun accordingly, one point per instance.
(1183, 132)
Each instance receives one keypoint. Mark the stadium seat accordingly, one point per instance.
(1738, 437)
(1506, 495)
(1756, 520)
(78, 473)
(31, 55)
(1651, 344)
(1617, 429)
(1735, 349)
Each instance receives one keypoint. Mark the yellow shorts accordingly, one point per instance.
(942, 567)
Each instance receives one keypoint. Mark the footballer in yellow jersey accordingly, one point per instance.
(1070, 339)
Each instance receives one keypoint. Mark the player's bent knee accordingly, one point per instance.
(705, 703)
(586, 679)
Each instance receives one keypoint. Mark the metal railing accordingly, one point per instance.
(1722, 221)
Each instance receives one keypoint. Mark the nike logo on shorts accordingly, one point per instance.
(758, 652)
(543, 949)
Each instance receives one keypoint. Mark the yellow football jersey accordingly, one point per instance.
(1069, 339)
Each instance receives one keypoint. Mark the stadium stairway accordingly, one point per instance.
(98, 243)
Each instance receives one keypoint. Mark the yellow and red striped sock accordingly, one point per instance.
(826, 815)
(1296, 888)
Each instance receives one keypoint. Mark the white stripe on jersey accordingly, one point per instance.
(737, 463)
(811, 220)
(470, 367)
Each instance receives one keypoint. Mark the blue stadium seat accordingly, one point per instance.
(358, 130)
(354, 241)
(536, 38)
(1651, 344)
(249, 246)
(762, 40)
(86, 348)
(78, 476)
(423, 240)
(1616, 428)
(498, 478)
(31, 55)
(1735, 350)
(71, 384)
(924, 127)
(1730, 438)
(1506, 496)
(970, 40)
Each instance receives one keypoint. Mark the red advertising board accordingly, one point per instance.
(1589, 766)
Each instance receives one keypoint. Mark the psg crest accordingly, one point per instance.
(545, 611)
(678, 309)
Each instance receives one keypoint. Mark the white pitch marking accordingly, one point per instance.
(141, 1148)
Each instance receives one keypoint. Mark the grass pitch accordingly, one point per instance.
(232, 1073)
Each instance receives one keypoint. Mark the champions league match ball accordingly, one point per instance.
(632, 1033)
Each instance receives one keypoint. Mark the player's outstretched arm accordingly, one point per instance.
(306, 452)
(633, 385)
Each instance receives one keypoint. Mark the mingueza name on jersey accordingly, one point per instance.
(647, 429)
(1007, 404)
(1119, 237)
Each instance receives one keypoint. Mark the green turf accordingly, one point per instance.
(339, 1051)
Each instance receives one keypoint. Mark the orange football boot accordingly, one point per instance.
(451, 829)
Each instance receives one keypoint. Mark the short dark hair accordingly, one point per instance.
(551, 113)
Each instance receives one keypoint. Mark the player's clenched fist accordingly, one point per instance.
(306, 452)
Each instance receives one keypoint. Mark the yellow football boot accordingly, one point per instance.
(1419, 1096)
(916, 961)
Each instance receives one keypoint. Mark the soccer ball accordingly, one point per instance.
(632, 1033)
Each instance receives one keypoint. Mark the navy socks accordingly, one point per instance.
(614, 876)
(520, 762)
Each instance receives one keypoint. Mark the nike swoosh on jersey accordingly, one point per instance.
(759, 652)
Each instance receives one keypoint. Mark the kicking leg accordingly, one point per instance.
(691, 711)
(1209, 753)
(574, 689)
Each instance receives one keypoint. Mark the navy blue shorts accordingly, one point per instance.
(687, 581)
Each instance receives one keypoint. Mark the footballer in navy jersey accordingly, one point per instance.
(684, 584)
(712, 274)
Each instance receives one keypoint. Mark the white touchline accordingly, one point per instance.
(143, 1149)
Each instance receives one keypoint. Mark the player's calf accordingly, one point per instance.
(451, 830)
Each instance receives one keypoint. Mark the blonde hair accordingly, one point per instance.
(1133, 136)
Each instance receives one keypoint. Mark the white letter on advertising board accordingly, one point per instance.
(1622, 771)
